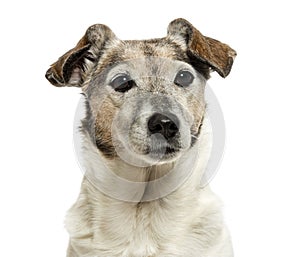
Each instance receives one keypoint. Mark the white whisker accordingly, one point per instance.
(194, 137)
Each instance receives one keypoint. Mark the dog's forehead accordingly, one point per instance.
(155, 47)
(121, 51)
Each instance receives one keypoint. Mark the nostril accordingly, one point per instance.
(154, 124)
(156, 129)
(159, 123)
(171, 130)
(173, 127)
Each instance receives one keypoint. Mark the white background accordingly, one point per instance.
(259, 176)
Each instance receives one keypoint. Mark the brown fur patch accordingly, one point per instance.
(102, 129)
(215, 54)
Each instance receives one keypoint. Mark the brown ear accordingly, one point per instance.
(206, 50)
(70, 69)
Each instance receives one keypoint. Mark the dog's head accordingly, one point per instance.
(144, 99)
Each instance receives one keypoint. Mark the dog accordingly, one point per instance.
(145, 142)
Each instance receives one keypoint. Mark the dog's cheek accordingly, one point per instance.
(103, 129)
(197, 109)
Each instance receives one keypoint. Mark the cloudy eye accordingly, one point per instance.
(184, 78)
(122, 83)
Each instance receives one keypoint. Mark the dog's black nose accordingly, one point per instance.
(165, 125)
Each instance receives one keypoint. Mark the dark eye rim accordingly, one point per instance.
(183, 83)
(120, 85)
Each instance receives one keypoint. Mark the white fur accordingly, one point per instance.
(188, 222)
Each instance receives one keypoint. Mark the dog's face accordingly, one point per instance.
(145, 99)
(146, 108)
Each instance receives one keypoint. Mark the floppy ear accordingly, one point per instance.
(70, 69)
(205, 50)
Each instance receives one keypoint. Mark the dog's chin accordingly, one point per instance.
(166, 155)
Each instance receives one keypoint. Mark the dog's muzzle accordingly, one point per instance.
(151, 128)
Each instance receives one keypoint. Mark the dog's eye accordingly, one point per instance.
(184, 78)
(122, 83)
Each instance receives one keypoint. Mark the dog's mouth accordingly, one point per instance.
(163, 152)
(156, 148)
(171, 150)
